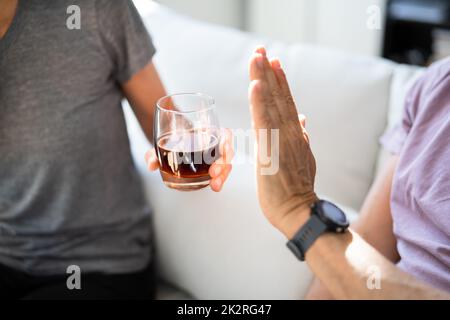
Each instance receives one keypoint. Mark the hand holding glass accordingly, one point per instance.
(187, 138)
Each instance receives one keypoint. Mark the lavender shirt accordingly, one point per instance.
(420, 199)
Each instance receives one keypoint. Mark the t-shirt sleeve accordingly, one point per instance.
(394, 139)
(124, 36)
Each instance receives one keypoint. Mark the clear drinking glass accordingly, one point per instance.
(187, 137)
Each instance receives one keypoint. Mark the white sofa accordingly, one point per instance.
(219, 246)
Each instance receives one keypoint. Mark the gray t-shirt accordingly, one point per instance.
(69, 193)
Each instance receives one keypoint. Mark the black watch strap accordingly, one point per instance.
(306, 236)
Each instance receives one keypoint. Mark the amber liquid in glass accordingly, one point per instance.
(185, 158)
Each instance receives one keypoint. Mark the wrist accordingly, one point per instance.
(293, 221)
(324, 217)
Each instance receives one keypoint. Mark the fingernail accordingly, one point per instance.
(261, 50)
(217, 170)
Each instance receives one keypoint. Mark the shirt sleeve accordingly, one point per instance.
(124, 36)
(394, 139)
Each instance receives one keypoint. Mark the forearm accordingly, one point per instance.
(342, 262)
(374, 223)
(143, 91)
(145, 120)
(317, 291)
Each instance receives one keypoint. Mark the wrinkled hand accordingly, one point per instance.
(219, 170)
(285, 196)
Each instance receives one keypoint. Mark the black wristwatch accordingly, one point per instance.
(325, 217)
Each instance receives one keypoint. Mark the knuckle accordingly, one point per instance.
(290, 99)
(266, 120)
(275, 93)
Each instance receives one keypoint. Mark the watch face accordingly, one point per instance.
(333, 213)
